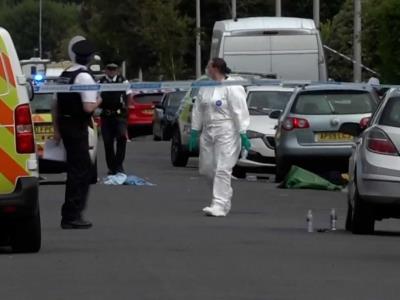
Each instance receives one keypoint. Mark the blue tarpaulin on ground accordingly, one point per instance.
(123, 179)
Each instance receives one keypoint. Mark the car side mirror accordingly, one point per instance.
(194, 99)
(353, 129)
(276, 114)
(159, 106)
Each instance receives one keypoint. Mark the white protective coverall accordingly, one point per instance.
(221, 114)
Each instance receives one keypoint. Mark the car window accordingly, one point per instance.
(334, 103)
(148, 98)
(41, 103)
(263, 102)
(391, 113)
(174, 99)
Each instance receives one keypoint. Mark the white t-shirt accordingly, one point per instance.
(84, 78)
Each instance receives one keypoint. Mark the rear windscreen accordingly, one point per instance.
(42, 103)
(264, 102)
(148, 98)
(391, 113)
(174, 99)
(334, 103)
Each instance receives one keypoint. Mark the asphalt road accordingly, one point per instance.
(154, 243)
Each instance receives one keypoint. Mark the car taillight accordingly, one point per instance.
(379, 142)
(364, 122)
(24, 136)
(295, 123)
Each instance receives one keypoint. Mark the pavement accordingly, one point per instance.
(154, 243)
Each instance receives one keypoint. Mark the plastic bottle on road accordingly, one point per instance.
(333, 217)
(310, 226)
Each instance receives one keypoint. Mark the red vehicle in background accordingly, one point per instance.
(140, 112)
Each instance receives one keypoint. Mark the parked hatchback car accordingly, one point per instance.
(264, 102)
(374, 168)
(140, 112)
(308, 132)
(165, 115)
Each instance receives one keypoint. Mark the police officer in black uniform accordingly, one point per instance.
(114, 120)
(73, 113)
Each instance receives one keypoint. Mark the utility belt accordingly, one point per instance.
(83, 118)
(113, 113)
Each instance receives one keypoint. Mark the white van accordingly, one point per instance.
(289, 48)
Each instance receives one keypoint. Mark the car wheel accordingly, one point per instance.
(282, 169)
(93, 173)
(239, 172)
(363, 221)
(26, 237)
(179, 157)
(349, 218)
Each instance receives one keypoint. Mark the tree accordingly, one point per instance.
(22, 21)
(168, 34)
(380, 38)
(383, 37)
(151, 34)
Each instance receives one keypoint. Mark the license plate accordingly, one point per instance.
(44, 129)
(330, 137)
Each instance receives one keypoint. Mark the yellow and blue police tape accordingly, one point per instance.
(143, 87)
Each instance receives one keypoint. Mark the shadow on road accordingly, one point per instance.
(57, 182)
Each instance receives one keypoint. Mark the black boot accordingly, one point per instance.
(75, 224)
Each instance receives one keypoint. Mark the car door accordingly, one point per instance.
(159, 115)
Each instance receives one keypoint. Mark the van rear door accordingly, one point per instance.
(295, 56)
(248, 53)
(14, 140)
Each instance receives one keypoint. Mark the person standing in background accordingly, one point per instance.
(114, 120)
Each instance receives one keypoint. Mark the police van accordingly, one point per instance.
(19, 205)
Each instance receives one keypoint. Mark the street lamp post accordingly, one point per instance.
(316, 8)
(357, 41)
(40, 28)
(198, 40)
(278, 8)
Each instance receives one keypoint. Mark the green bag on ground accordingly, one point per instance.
(299, 178)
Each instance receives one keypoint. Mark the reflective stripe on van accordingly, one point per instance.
(12, 164)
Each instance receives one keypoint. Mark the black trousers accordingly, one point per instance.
(114, 131)
(76, 142)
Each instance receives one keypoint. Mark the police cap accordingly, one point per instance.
(112, 66)
(83, 48)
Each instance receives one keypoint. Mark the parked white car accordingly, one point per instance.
(265, 104)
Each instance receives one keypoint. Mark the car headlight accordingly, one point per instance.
(254, 134)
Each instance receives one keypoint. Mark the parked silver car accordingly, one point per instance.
(308, 131)
(374, 168)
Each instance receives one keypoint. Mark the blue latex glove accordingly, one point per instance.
(245, 141)
(194, 140)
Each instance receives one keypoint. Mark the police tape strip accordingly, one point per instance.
(142, 87)
(137, 86)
